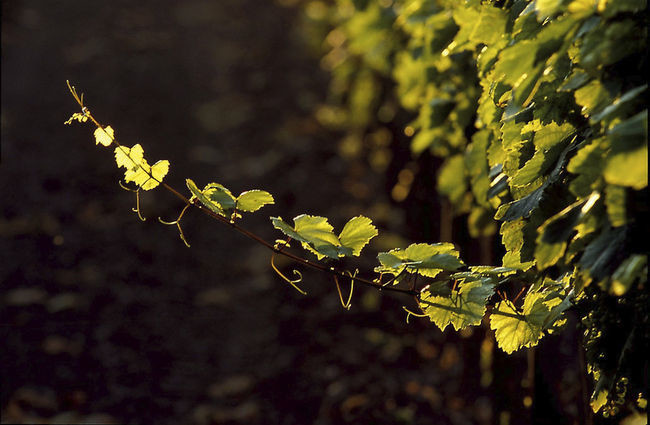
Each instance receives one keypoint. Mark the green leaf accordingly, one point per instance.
(611, 8)
(577, 79)
(561, 226)
(605, 253)
(253, 200)
(357, 233)
(588, 164)
(214, 196)
(551, 135)
(548, 254)
(515, 238)
(627, 164)
(138, 170)
(314, 232)
(451, 181)
(207, 202)
(479, 24)
(493, 271)
(426, 259)
(476, 165)
(524, 206)
(548, 8)
(608, 43)
(282, 226)
(220, 195)
(515, 329)
(628, 168)
(615, 197)
(464, 307)
(628, 272)
(521, 64)
(593, 97)
(480, 222)
(620, 105)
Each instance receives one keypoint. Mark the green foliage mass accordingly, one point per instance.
(538, 109)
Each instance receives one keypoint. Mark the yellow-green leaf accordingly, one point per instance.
(77, 116)
(146, 176)
(464, 307)
(253, 200)
(104, 136)
(357, 233)
(129, 158)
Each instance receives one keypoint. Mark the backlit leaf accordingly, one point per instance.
(315, 233)
(138, 169)
(426, 259)
(198, 194)
(464, 307)
(515, 329)
(357, 233)
(129, 158)
(77, 116)
(253, 200)
(104, 136)
(451, 181)
(220, 195)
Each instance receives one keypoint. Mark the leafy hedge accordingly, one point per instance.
(539, 111)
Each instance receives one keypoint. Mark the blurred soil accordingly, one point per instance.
(106, 319)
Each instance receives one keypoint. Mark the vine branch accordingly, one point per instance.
(242, 230)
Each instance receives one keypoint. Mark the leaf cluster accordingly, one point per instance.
(538, 109)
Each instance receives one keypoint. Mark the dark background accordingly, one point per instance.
(108, 319)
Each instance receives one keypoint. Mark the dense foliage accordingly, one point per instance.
(538, 109)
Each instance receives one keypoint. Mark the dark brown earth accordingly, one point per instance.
(108, 319)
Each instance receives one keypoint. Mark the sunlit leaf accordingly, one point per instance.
(198, 194)
(253, 200)
(464, 307)
(516, 328)
(129, 158)
(426, 259)
(357, 233)
(138, 169)
(104, 136)
(588, 164)
(220, 195)
(451, 181)
(514, 238)
(77, 116)
(315, 233)
(627, 164)
(147, 177)
(593, 97)
(479, 24)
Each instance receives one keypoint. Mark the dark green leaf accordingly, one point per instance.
(605, 253)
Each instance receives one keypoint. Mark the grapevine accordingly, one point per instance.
(537, 110)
